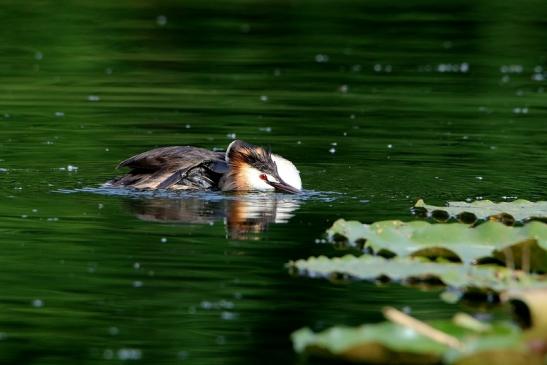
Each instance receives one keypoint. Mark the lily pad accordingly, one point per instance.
(469, 279)
(469, 212)
(454, 241)
(391, 343)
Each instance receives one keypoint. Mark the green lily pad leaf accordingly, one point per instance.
(517, 210)
(471, 279)
(452, 240)
(390, 343)
(384, 343)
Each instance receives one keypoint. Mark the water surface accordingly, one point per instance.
(378, 105)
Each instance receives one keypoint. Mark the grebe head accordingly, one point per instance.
(255, 168)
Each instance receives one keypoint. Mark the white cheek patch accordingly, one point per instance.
(287, 171)
(254, 181)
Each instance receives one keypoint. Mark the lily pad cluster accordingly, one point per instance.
(493, 257)
(519, 210)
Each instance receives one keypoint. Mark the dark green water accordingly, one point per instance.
(436, 100)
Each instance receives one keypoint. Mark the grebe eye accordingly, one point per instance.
(263, 177)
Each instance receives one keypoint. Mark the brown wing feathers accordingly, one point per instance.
(161, 168)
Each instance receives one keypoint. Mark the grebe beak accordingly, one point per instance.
(284, 187)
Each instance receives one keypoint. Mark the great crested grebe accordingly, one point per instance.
(243, 167)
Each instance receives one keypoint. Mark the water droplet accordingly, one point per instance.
(161, 20)
(129, 354)
(332, 150)
(228, 316)
(447, 44)
(264, 98)
(93, 98)
(137, 284)
(321, 58)
(163, 239)
(38, 303)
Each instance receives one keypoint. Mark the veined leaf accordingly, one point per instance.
(412, 270)
(455, 241)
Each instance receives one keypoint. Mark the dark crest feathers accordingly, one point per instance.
(257, 157)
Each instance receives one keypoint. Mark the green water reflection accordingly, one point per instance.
(377, 104)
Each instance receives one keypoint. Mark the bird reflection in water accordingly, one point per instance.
(245, 216)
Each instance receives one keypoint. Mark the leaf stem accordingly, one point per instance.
(422, 328)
